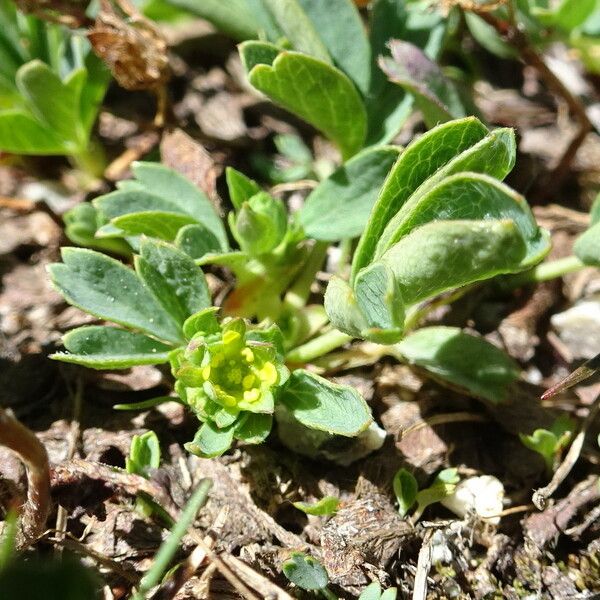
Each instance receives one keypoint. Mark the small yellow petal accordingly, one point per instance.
(206, 373)
(251, 395)
(268, 373)
(248, 355)
(248, 381)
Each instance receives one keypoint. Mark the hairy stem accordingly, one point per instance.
(31, 451)
(318, 346)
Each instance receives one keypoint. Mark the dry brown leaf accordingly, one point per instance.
(131, 46)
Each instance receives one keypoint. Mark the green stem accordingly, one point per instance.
(327, 593)
(171, 545)
(297, 296)
(91, 160)
(543, 272)
(318, 346)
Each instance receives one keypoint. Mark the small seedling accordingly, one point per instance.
(144, 454)
(550, 443)
(324, 507)
(407, 492)
(374, 592)
(308, 574)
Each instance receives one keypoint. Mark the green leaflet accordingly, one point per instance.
(154, 223)
(443, 255)
(339, 206)
(468, 196)
(109, 290)
(315, 91)
(325, 506)
(587, 246)
(463, 360)
(99, 347)
(342, 32)
(173, 278)
(159, 202)
(233, 17)
(298, 28)
(325, 406)
(421, 159)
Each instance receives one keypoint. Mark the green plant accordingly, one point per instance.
(320, 64)
(277, 256)
(308, 574)
(51, 87)
(327, 505)
(374, 592)
(442, 221)
(550, 443)
(144, 455)
(229, 373)
(408, 494)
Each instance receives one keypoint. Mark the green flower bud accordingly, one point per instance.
(260, 224)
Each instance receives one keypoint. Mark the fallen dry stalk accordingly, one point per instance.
(23, 442)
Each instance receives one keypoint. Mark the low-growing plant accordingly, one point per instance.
(229, 373)
(326, 506)
(319, 62)
(144, 455)
(308, 574)
(549, 443)
(408, 494)
(51, 87)
(374, 592)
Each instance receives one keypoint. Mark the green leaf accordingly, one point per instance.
(380, 303)
(435, 95)
(486, 35)
(587, 246)
(167, 183)
(463, 360)
(233, 17)
(305, 572)
(253, 428)
(320, 404)
(241, 188)
(99, 347)
(405, 489)
(154, 223)
(210, 441)
(107, 289)
(22, 134)
(341, 29)
(298, 28)
(144, 454)
(196, 241)
(327, 505)
(371, 592)
(81, 224)
(340, 205)
(421, 159)
(316, 92)
(468, 196)
(568, 15)
(53, 102)
(174, 279)
(443, 255)
(443, 486)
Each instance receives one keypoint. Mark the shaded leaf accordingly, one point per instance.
(99, 347)
(463, 360)
(405, 489)
(340, 205)
(320, 404)
(305, 572)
